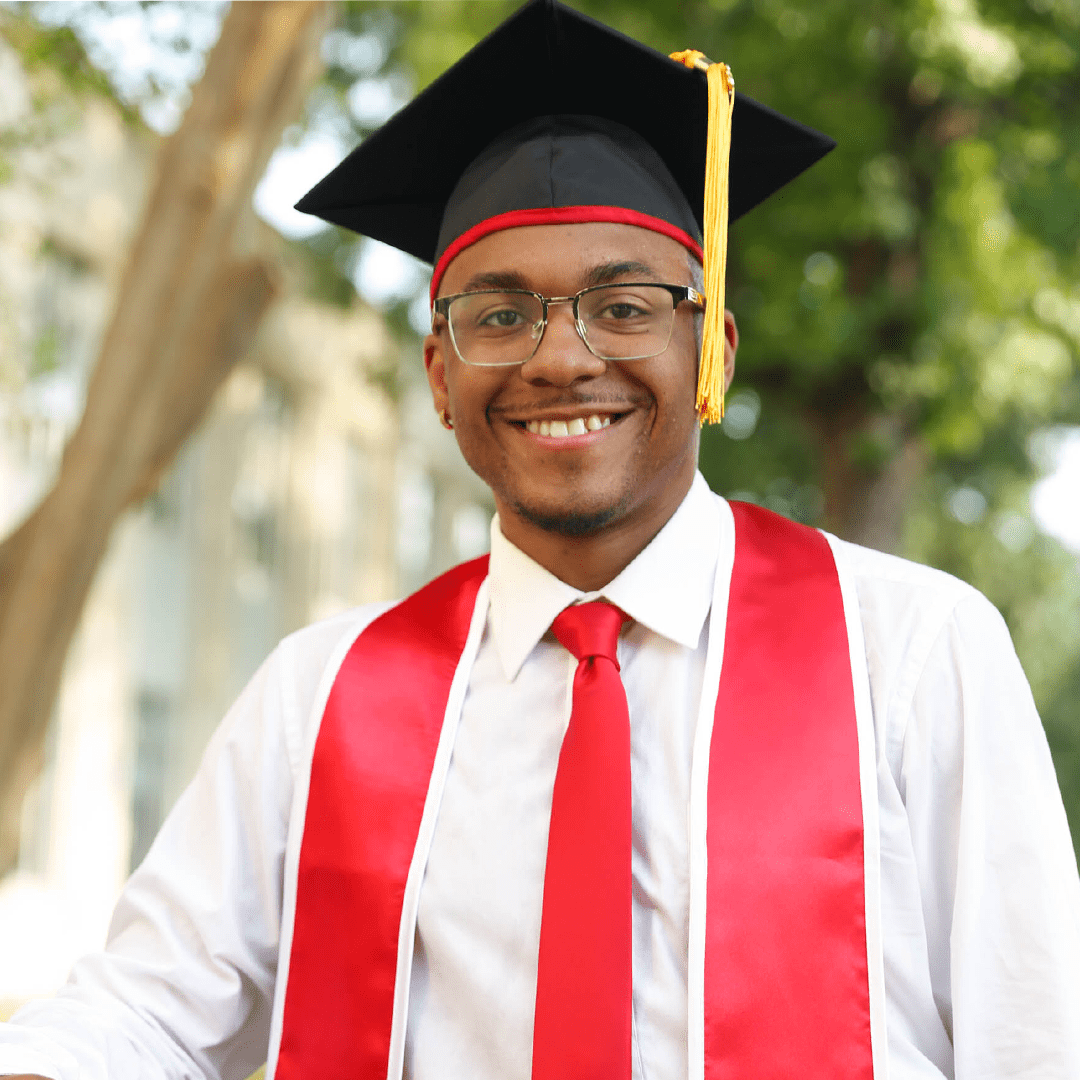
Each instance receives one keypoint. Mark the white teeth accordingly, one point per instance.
(560, 428)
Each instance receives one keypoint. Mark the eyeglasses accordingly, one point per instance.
(627, 321)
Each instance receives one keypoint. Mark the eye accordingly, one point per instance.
(502, 319)
(623, 309)
(620, 310)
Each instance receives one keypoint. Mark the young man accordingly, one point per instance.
(671, 787)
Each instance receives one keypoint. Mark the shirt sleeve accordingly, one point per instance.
(184, 986)
(998, 874)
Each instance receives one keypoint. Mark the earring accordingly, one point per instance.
(444, 419)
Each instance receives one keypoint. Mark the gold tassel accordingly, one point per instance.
(710, 389)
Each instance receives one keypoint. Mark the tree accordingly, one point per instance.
(191, 298)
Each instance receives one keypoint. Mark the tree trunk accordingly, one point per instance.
(189, 304)
(870, 467)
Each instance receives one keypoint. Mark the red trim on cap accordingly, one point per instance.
(560, 215)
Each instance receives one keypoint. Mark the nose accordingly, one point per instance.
(561, 358)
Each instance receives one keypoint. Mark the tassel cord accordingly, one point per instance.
(721, 98)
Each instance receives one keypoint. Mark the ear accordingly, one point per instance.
(435, 366)
(731, 347)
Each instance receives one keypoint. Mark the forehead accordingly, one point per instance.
(554, 257)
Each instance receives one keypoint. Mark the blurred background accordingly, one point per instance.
(214, 426)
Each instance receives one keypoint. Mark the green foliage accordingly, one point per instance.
(57, 53)
(58, 50)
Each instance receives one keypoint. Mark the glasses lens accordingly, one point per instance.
(495, 328)
(627, 322)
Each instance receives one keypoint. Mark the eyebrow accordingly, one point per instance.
(497, 279)
(605, 272)
(596, 275)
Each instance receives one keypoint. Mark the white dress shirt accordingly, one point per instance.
(980, 894)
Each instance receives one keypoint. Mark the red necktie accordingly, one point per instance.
(582, 1026)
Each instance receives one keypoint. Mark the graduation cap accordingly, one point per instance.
(554, 117)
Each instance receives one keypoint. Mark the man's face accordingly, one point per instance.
(634, 471)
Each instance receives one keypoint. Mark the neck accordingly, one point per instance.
(590, 562)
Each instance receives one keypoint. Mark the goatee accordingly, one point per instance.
(572, 522)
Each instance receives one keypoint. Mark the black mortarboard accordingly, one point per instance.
(554, 116)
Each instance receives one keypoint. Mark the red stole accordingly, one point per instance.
(786, 984)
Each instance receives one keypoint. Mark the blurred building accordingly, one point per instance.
(308, 488)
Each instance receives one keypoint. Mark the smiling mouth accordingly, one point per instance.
(562, 428)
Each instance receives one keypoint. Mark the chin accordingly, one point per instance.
(571, 520)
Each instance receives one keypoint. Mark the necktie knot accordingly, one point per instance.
(590, 630)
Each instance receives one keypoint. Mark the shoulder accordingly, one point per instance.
(893, 588)
(902, 597)
(319, 640)
(323, 644)
(286, 691)
(302, 668)
(906, 609)
(924, 630)
(306, 656)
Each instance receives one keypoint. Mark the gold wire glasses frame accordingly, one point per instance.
(629, 320)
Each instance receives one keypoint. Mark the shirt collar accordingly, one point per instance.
(668, 587)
